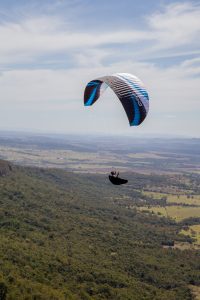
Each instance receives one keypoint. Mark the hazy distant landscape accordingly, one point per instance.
(98, 154)
(68, 233)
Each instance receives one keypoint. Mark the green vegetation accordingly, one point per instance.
(73, 236)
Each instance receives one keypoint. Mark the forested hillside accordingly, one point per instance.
(73, 236)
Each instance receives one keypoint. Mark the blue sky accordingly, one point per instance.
(50, 50)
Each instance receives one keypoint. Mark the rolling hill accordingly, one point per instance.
(75, 236)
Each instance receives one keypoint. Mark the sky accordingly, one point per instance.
(50, 50)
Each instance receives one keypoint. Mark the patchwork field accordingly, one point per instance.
(179, 199)
(176, 212)
(97, 154)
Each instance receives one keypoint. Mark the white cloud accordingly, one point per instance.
(178, 25)
(24, 41)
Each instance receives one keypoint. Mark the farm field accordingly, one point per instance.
(179, 199)
(178, 213)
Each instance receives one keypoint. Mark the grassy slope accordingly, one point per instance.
(64, 237)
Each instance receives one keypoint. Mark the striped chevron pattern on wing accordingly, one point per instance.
(130, 91)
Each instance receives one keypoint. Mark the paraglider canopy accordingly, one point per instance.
(128, 88)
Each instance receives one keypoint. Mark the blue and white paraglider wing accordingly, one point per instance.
(129, 89)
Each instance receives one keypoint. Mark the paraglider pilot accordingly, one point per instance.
(113, 173)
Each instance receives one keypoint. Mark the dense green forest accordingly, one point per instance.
(73, 236)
